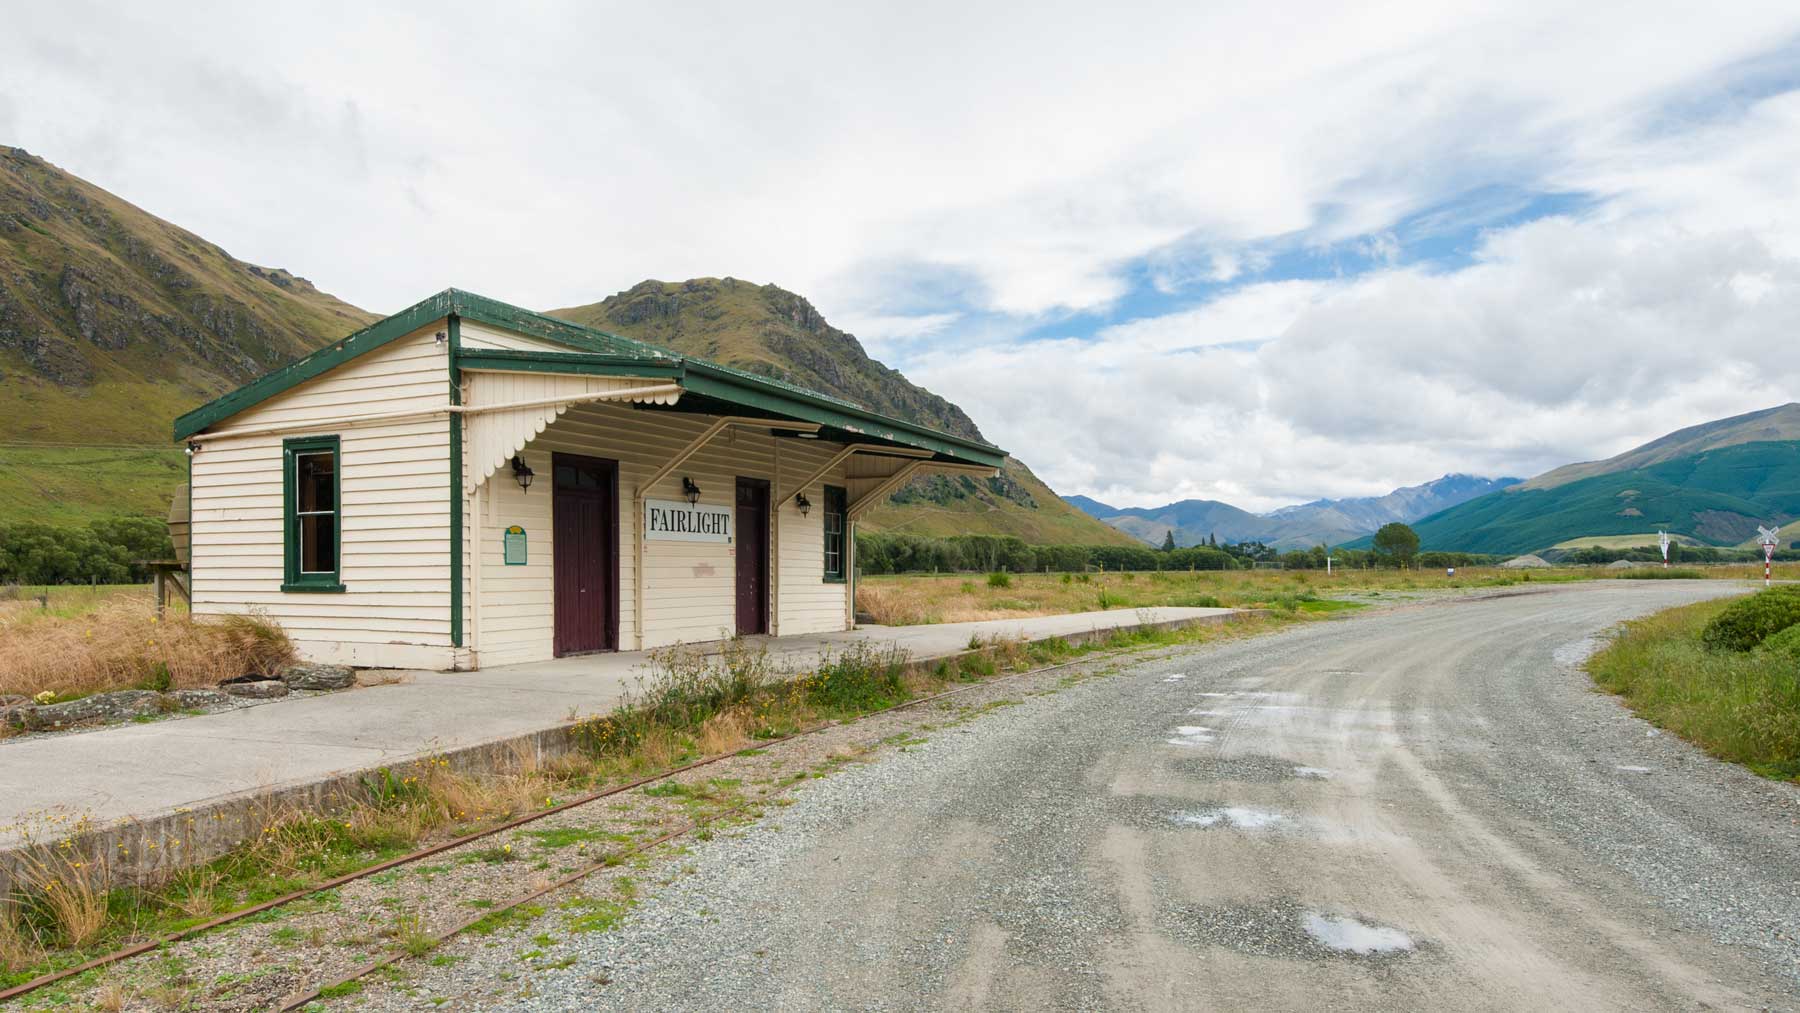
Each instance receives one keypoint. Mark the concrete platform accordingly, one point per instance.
(147, 778)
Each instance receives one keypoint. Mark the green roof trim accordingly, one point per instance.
(596, 352)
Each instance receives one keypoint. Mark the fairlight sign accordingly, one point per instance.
(675, 521)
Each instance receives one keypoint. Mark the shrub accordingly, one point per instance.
(1785, 644)
(1000, 579)
(1747, 622)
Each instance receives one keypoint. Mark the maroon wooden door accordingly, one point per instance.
(585, 560)
(752, 555)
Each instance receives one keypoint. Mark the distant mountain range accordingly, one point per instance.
(1321, 522)
(1715, 482)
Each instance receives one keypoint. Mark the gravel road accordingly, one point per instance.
(1426, 808)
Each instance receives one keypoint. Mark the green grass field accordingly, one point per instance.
(69, 486)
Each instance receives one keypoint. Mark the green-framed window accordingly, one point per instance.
(312, 514)
(835, 528)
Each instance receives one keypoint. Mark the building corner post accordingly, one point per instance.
(454, 341)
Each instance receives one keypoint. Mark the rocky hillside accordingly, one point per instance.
(772, 331)
(112, 320)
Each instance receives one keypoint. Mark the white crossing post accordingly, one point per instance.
(1769, 541)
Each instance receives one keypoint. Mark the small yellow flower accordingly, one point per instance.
(46, 696)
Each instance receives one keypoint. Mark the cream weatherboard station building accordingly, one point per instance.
(467, 484)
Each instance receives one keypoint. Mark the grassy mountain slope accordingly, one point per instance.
(112, 320)
(768, 330)
(1717, 496)
(1767, 426)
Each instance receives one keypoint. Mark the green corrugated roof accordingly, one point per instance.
(589, 340)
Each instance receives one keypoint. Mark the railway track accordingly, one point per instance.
(298, 1000)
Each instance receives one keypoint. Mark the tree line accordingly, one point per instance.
(901, 553)
(103, 552)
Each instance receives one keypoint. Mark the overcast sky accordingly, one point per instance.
(1157, 251)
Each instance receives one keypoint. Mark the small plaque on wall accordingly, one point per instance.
(515, 546)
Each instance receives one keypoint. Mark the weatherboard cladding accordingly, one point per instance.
(396, 538)
(689, 587)
(408, 554)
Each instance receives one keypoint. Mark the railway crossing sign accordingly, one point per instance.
(1662, 539)
(1770, 539)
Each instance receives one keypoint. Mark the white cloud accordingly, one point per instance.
(951, 173)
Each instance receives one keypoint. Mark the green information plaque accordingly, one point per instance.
(515, 546)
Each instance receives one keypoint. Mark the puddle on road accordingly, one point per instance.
(1235, 817)
(1253, 768)
(1192, 736)
(1353, 935)
(1285, 929)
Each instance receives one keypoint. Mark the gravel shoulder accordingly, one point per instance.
(1426, 808)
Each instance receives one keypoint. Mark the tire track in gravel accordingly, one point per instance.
(1468, 845)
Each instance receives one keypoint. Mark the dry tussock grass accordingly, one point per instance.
(122, 644)
(725, 732)
(919, 603)
(69, 891)
(19, 948)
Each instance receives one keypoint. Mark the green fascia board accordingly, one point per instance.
(309, 366)
(567, 362)
(740, 388)
(597, 352)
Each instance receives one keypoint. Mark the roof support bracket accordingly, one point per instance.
(694, 446)
(843, 455)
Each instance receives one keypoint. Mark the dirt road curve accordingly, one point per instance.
(1425, 809)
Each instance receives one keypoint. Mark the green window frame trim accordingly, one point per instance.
(320, 582)
(837, 505)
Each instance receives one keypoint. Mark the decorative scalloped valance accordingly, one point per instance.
(494, 437)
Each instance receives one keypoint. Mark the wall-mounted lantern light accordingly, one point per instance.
(803, 503)
(522, 473)
(193, 448)
(690, 490)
